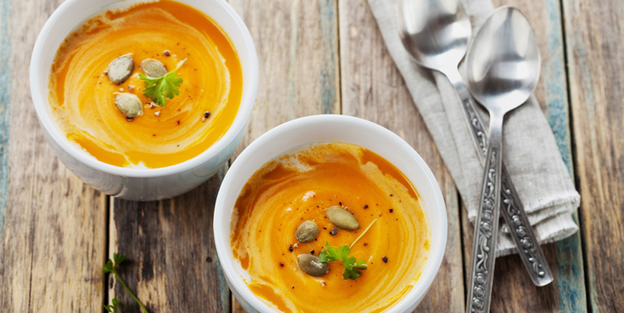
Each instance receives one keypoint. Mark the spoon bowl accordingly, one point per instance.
(434, 32)
(504, 61)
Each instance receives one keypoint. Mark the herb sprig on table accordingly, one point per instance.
(111, 267)
(163, 87)
(352, 266)
(113, 308)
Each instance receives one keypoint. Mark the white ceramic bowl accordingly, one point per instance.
(129, 183)
(329, 128)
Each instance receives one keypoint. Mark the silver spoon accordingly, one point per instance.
(436, 34)
(503, 69)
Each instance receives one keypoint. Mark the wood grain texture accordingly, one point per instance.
(53, 227)
(372, 88)
(54, 235)
(5, 100)
(297, 50)
(297, 45)
(172, 261)
(564, 257)
(595, 54)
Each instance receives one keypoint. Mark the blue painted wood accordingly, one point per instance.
(5, 100)
(596, 67)
(568, 269)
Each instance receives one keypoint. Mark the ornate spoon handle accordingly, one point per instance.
(523, 235)
(521, 231)
(486, 226)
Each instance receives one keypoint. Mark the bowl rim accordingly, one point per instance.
(220, 220)
(40, 99)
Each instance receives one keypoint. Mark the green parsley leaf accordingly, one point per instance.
(350, 263)
(108, 268)
(161, 88)
(118, 259)
(329, 254)
(351, 272)
(343, 251)
(360, 265)
(114, 308)
(352, 266)
(111, 267)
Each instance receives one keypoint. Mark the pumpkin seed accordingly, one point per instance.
(121, 68)
(129, 104)
(307, 231)
(342, 218)
(312, 265)
(153, 68)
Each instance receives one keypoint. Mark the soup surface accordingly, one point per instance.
(299, 186)
(82, 96)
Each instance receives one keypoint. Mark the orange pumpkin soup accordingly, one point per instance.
(300, 186)
(82, 96)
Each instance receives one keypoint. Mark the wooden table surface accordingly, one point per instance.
(324, 56)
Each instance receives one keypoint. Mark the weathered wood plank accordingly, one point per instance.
(595, 54)
(372, 88)
(297, 44)
(172, 262)
(54, 234)
(5, 100)
(514, 290)
(297, 50)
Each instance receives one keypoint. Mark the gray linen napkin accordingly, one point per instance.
(530, 150)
